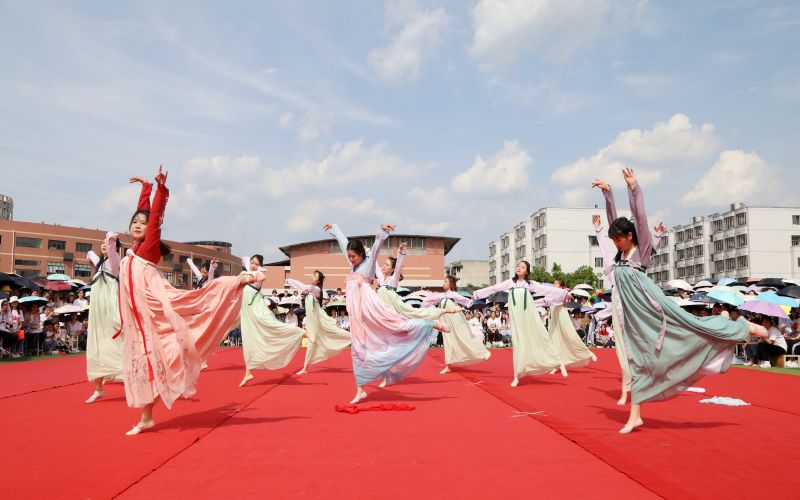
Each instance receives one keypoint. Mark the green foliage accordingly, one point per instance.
(541, 275)
(583, 274)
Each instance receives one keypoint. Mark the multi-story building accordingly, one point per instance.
(31, 249)
(6, 207)
(739, 243)
(469, 272)
(551, 235)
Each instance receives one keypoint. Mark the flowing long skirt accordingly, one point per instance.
(692, 347)
(571, 349)
(329, 340)
(169, 332)
(619, 341)
(461, 346)
(267, 342)
(534, 351)
(384, 343)
(103, 351)
(395, 303)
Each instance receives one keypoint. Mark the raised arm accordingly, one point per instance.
(304, 288)
(212, 269)
(194, 269)
(658, 232)
(93, 258)
(246, 262)
(636, 200)
(606, 246)
(503, 286)
(401, 257)
(337, 233)
(144, 195)
(112, 256)
(611, 207)
(151, 246)
(382, 235)
(432, 299)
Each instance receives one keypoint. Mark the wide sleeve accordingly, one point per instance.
(150, 248)
(194, 269)
(401, 257)
(245, 263)
(299, 285)
(611, 207)
(643, 234)
(212, 270)
(552, 295)
(607, 248)
(375, 251)
(113, 257)
(503, 286)
(459, 299)
(144, 196)
(341, 239)
(93, 258)
(432, 300)
(656, 241)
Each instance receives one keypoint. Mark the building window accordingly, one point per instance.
(664, 240)
(681, 255)
(741, 262)
(28, 263)
(168, 258)
(55, 268)
(227, 268)
(29, 242)
(741, 241)
(698, 231)
(698, 251)
(717, 225)
(741, 219)
(729, 222)
(730, 243)
(719, 266)
(83, 247)
(719, 246)
(598, 262)
(730, 264)
(27, 273)
(699, 269)
(183, 258)
(83, 270)
(796, 220)
(689, 234)
(681, 272)
(680, 236)
(593, 241)
(796, 240)
(56, 245)
(690, 252)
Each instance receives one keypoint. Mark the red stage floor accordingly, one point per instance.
(280, 437)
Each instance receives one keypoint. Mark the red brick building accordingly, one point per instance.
(32, 249)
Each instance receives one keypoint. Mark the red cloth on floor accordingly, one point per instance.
(353, 409)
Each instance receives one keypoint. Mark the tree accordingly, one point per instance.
(583, 274)
(558, 274)
(541, 275)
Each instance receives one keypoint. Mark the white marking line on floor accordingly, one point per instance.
(526, 413)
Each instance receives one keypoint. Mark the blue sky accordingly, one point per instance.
(456, 118)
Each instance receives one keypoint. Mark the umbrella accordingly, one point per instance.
(774, 298)
(753, 288)
(572, 305)
(585, 309)
(753, 279)
(58, 277)
(790, 291)
(402, 291)
(3, 296)
(766, 308)
(728, 297)
(409, 300)
(57, 286)
(680, 285)
(584, 286)
(478, 304)
(465, 293)
(24, 282)
(703, 284)
(28, 300)
(6, 279)
(499, 297)
(68, 309)
(739, 288)
(600, 305)
(419, 294)
(299, 310)
(86, 287)
(702, 298)
(688, 303)
(772, 283)
(331, 305)
(76, 281)
(792, 281)
(577, 292)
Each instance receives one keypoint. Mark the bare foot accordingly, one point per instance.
(552, 371)
(515, 382)
(302, 372)
(311, 337)
(623, 399)
(445, 370)
(247, 377)
(630, 426)
(563, 370)
(384, 383)
(360, 396)
(594, 358)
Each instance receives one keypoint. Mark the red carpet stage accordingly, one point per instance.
(471, 436)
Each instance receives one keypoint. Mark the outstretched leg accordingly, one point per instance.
(248, 376)
(634, 420)
(98, 391)
(145, 422)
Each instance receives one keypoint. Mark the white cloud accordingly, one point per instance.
(672, 144)
(505, 172)
(367, 206)
(736, 177)
(346, 163)
(438, 199)
(286, 120)
(556, 30)
(434, 228)
(419, 33)
(219, 168)
(577, 197)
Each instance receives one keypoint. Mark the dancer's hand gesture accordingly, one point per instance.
(327, 227)
(660, 228)
(137, 179)
(596, 221)
(601, 184)
(388, 227)
(630, 176)
(402, 247)
(161, 176)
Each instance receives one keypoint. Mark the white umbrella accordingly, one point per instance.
(680, 285)
(703, 284)
(584, 286)
(76, 281)
(68, 309)
(600, 305)
(577, 292)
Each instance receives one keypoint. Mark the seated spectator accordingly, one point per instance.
(605, 336)
(33, 329)
(493, 325)
(74, 328)
(71, 298)
(81, 301)
(50, 344)
(772, 345)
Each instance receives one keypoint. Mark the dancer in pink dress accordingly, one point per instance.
(385, 345)
(168, 332)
